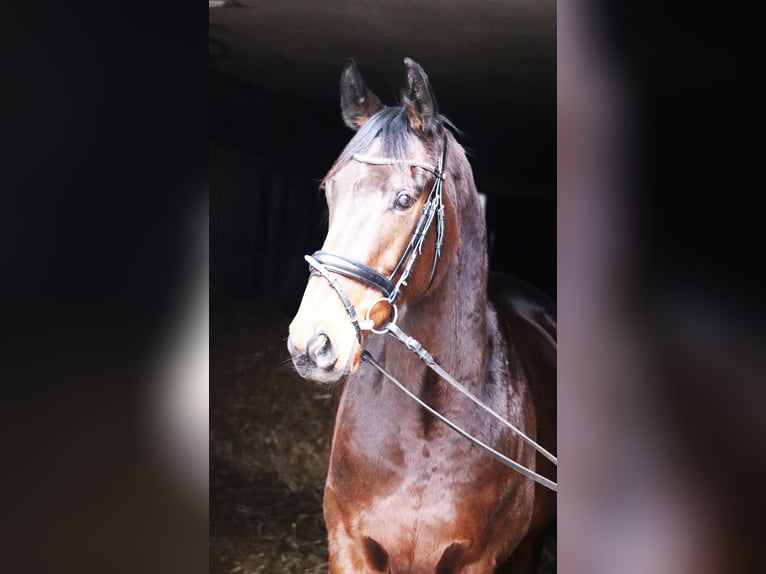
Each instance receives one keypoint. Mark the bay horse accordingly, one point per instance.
(405, 493)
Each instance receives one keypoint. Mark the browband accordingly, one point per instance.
(388, 161)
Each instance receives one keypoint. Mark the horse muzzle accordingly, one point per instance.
(318, 360)
(322, 341)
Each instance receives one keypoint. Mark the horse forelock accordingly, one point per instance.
(391, 127)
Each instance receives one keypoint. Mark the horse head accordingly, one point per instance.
(376, 193)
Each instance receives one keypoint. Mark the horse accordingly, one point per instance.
(405, 493)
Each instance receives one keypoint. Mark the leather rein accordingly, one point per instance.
(326, 264)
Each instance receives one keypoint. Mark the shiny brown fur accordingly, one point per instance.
(404, 493)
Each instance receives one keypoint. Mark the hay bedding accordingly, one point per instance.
(269, 443)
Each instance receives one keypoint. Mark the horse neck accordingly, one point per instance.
(450, 321)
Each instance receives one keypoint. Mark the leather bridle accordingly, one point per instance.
(391, 286)
(326, 264)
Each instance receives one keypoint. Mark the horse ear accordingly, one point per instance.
(417, 98)
(357, 102)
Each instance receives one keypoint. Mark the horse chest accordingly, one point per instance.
(416, 507)
(389, 478)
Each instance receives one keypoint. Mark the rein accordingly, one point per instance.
(325, 263)
(366, 356)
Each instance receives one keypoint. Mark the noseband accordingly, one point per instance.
(433, 209)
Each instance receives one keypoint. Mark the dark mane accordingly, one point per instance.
(392, 125)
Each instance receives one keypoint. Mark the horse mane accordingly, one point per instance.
(392, 125)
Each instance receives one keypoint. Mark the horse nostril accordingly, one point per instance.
(321, 351)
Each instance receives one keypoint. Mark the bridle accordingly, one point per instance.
(389, 286)
(326, 264)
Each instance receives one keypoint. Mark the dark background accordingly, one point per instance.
(275, 126)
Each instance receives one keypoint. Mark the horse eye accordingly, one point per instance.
(404, 201)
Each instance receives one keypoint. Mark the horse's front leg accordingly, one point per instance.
(345, 555)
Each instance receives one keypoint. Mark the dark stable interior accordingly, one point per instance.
(275, 130)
